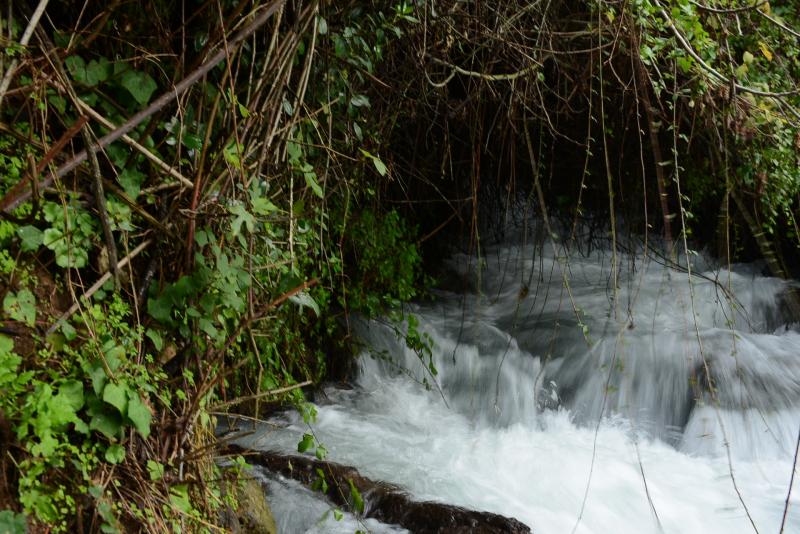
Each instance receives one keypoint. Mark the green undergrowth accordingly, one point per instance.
(241, 261)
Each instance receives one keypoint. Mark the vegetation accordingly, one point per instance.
(196, 195)
(194, 264)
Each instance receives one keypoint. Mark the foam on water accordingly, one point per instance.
(655, 395)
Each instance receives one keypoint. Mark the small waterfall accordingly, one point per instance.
(570, 394)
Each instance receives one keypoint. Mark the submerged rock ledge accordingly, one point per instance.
(382, 501)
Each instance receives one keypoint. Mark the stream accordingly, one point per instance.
(574, 397)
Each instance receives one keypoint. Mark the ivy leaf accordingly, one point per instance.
(77, 68)
(139, 414)
(97, 71)
(115, 395)
(139, 84)
(115, 454)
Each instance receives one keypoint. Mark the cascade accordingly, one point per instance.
(588, 392)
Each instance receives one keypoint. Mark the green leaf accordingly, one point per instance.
(306, 443)
(358, 501)
(69, 331)
(379, 166)
(311, 181)
(58, 102)
(109, 424)
(179, 498)
(191, 141)
(97, 71)
(156, 338)
(322, 26)
(242, 217)
(207, 326)
(304, 299)
(294, 151)
(114, 357)
(231, 154)
(76, 67)
(131, 181)
(6, 346)
(21, 306)
(360, 101)
(160, 308)
(115, 454)
(70, 394)
(263, 206)
(31, 237)
(139, 414)
(116, 396)
(139, 84)
(155, 470)
(98, 376)
(12, 523)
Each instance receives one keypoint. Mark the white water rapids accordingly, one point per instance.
(641, 404)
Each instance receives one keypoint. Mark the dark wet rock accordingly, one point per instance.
(382, 501)
(252, 514)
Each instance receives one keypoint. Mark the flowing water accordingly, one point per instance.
(575, 397)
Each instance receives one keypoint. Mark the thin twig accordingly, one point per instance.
(141, 149)
(100, 202)
(791, 483)
(263, 394)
